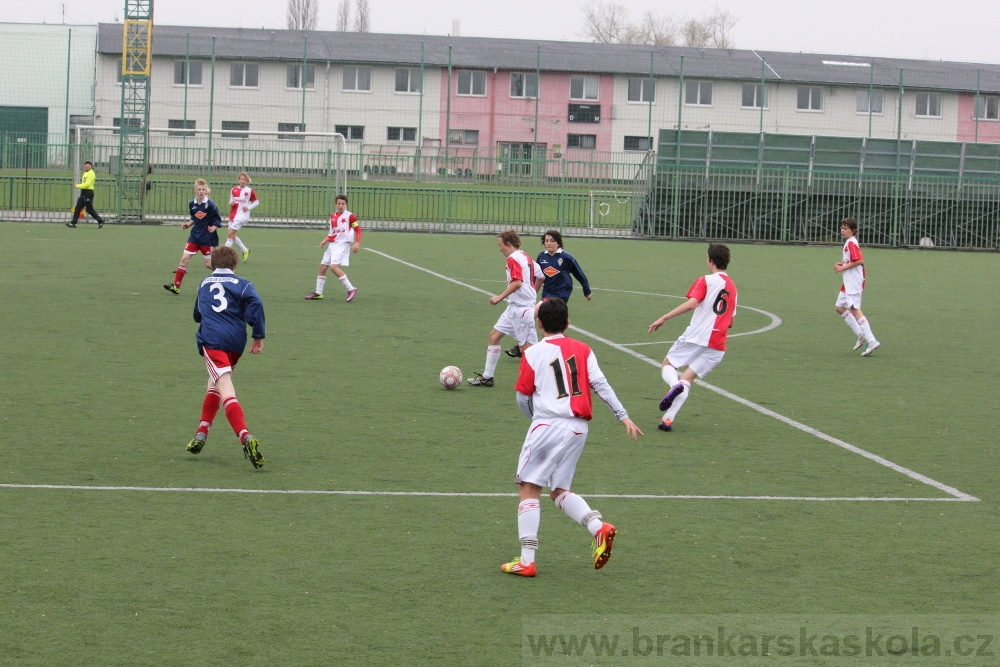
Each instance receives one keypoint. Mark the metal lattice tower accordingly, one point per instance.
(133, 156)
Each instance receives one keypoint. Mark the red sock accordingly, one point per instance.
(179, 276)
(234, 413)
(209, 408)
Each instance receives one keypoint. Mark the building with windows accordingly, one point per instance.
(512, 99)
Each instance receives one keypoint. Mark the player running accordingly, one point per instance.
(703, 344)
(242, 200)
(553, 391)
(225, 305)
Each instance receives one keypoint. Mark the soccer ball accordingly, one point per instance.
(450, 377)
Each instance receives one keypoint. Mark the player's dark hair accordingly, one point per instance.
(851, 223)
(510, 237)
(556, 236)
(553, 314)
(339, 197)
(224, 257)
(718, 253)
(89, 162)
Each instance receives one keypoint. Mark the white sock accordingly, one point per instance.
(529, 516)
(577, 509)
(239, 244)
(229, 243)
(345, 281)
(669, 374)
(866, 330)
(492, 358)
(851, 322)
(679, 401)
(320, 281)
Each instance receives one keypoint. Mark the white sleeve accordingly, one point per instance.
(600, 384)
(524, 402)
(253, 203)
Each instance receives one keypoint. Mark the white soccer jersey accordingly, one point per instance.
(854, 278)
(342, 227)
(523, 268)
(238, 198)
(558, 374)
(714, 314)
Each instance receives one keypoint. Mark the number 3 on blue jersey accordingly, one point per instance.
(219, 292)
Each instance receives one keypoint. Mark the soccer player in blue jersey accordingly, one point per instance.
(205, 220)
(559, 267)
(226, 305)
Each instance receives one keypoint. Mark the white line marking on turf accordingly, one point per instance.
(958, 495)
(457, 494)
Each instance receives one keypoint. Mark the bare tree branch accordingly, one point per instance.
(609, 23)
(362, 16)
(344, 16)
(302, 14)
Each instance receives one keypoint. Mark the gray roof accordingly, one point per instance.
(487, 53)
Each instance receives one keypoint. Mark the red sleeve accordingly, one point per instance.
(525, 378)
(698, 290)
(514, 268)
(855, 252)
(253, 196)
(356, 226)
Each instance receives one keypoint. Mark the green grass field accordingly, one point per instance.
(120, 548)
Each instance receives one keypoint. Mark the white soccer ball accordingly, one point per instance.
(450, 377)
(926, 242)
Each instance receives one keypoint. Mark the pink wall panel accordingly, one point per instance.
(989, 130)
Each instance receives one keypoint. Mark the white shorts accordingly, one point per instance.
(337, 254)
(550, 452)
(237, 224)
(845, 300)
(702, 360)
(519, 324)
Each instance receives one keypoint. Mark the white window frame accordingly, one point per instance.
(289, 134)
(351, 133)
(463, 137)
(929, 101)
(648, 140)
(990, 104)
(473, 76)
(703, 90)
(413, 81)
(760, 96)
(310, 69)
(401, 134)
(357, 70)
(862, 104)
(181, 127)
(234, 133)
(188, 67)
(525, 79)
(583, 81)
(815, 97)
(647, 91)
(580, 138)
(243, 75)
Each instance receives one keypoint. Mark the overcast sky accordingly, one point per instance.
(960, 30)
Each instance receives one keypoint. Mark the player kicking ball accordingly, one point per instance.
(226, 304)
(553, 391)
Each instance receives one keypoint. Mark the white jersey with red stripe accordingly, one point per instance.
(710, 322)
(854, 278)
(238, 198)
(558, 374)
(342, 228)
(523, 268)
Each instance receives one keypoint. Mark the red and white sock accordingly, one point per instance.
(577, 509)
(234, 413)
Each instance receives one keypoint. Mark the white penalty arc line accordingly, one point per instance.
(459, 494)
(958, 495)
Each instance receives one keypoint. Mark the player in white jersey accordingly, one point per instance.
(703, 344)
(852, 271)
(518, 321)
(242, 200)
(343, 238)
(553, 391)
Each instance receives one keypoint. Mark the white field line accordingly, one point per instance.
(957, 495)
(444, 494)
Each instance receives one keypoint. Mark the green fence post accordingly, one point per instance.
(784, 205)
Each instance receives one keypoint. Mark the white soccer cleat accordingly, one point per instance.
(858, 344)
(871, 347)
